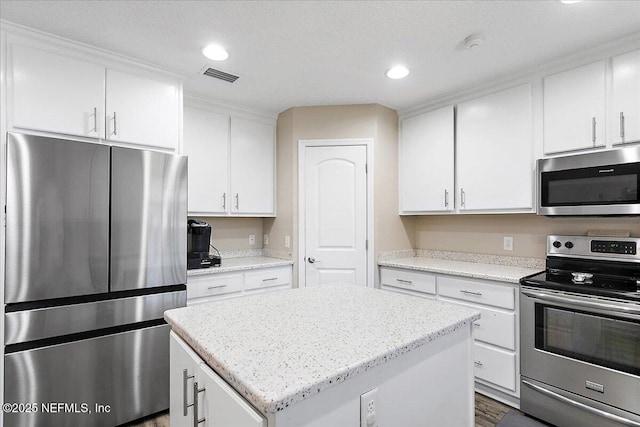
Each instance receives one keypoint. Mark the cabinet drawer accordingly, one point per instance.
(267, 278)
(477, 292)
(410, 280)
(495, 366)
(494, 327)
(214, 284)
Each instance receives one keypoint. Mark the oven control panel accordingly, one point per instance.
(613, 247)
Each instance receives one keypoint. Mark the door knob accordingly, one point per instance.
(311, 260)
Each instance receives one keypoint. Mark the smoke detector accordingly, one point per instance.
(474, 40)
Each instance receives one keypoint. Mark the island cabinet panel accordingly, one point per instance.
(216, 404)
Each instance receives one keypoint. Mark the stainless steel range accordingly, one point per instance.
(580, 333)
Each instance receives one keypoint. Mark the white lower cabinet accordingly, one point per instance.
(216, 404)
(217, 286)
(496, 340)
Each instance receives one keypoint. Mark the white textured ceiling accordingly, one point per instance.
(293, 53)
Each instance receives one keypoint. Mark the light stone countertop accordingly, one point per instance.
(501, 273)
(279, 348)
(242, 263)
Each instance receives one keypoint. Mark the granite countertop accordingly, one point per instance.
(289, 345)
(242, 263)
(479, 270)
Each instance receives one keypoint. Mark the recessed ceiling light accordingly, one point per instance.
(215, 52)
(398, 72)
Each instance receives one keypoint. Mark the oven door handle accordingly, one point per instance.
(599, 412)
(617, 308)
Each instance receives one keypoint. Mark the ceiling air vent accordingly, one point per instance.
(217, 74)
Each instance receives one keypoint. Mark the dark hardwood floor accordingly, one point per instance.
(488, 414)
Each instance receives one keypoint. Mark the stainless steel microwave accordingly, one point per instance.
(602, 184)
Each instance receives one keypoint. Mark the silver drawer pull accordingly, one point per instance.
(217, 287)
(408, 282)
(464, 291)
(270, 279)
(476, 324)
(196, 391)
(185, 377)
(477, 363)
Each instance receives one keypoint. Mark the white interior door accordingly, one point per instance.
(335, 215)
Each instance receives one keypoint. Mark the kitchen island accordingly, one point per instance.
(304, 357)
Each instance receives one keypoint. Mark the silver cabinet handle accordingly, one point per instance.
(464, 291)
(462, 199)
(217, 287)
(270, 279)
(621, 124)
(476, 324)
(95, 119)
(224, 201)
(446, 198)
(477, 363)
(185, 377)
(115, 124)
(237, 201)
(408, 282)
(196, 391)
(593, 130)
(604, 414)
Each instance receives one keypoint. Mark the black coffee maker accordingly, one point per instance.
(198, 241)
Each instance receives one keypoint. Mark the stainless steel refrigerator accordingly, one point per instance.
(95, 253)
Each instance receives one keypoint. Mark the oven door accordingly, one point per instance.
(585, 348)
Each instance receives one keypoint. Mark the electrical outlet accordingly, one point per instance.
(508, 243)
(369, 408)
(252, 239)
(265, 239)
(287, 241)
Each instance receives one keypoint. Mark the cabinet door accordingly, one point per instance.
(625, 98)
(55, 93)
(494, 157)
(142, 111)
(252, 167)
(574, 109)
(184, 369)
(426, 162)
(222, 406)
(206, 143)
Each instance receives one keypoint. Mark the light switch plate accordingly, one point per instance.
(265, 239)
(287, 241)
(508, 243)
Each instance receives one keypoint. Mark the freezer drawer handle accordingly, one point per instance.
(595, 411)
(196, 391)
(185, 377)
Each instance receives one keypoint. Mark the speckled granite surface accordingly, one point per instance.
(238, 264)
(478, 270)
(289, 345)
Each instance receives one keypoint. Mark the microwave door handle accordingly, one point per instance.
(544, 297)
(603, 414)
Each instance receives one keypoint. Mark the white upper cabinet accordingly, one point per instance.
(625, 98)
(231, 164)
(56, 93)
(494, 151)
(574, 109)
(206, 143)
(252, 167)
(64, 89)
(426, 162)
(142, 110)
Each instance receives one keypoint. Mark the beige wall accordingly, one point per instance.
(484, 233)
(335, 122)
(233, 233)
